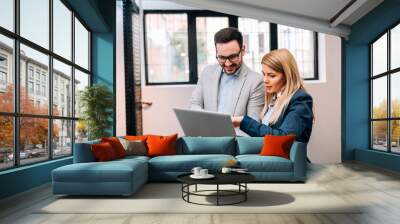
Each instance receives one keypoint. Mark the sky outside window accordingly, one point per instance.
(35, 21)
(62, 29)
(7, 14)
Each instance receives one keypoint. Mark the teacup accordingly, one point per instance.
(226, 170)
(196, 170)
(203, 172)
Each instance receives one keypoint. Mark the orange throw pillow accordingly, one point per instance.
(135, 138)
(277, 145)
(103, 152)
(161, 145)
(116, 145)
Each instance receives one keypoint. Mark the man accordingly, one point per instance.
(229, 86)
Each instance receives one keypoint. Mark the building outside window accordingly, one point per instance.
(37, 75)
(30, 87)
(44, 77)
(3, 61)
(38, 89)
(3, 72)
(30, 72)
(43, 90)
(3, 78)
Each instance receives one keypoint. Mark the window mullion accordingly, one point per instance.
(389, 114)
(316, 72)
(192, 47)
(50, 81)
(273, 28)
(233, 21)
(370, 98)
(73, 82)
(16, 84)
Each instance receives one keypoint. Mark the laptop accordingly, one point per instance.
(204, 123)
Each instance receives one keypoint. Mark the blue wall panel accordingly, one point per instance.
(356, 85)
(102, 58)
(103, 64)
(377, 158)
(357, 99)
(24, 178)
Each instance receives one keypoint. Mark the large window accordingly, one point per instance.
(206, 27)
(39, 124)
(179, 44)
(385, 94)
(303, 45)
(167, 44)
(256, 38)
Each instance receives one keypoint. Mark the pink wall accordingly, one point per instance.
(325, 143)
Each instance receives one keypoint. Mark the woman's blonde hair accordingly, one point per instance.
(282, 61)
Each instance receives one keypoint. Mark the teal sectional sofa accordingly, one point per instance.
(125, 176)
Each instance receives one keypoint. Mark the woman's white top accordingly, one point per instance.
(269, 111)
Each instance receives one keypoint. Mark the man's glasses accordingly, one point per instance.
(232, 58)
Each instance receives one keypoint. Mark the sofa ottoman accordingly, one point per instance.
(119, 177)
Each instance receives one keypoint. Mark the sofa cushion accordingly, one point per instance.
(116, 145)
(136, 147)
(249, 145)
(103, 152)
(257, 163)
(206, 145)
(136, 137)
(130, 158)
(185, 163)
(277, 145)
(161, 145)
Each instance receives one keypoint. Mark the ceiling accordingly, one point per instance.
(318, 9)
(96, 14)
(327, 16)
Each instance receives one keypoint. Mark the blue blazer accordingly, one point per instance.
(297, 119)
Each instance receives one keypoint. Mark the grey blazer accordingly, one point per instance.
(248, 97)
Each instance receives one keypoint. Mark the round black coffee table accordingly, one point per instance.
(238, 179)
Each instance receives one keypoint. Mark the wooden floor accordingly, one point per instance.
(353, 182)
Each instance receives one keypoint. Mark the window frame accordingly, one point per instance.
(192, 42)
(16, 115)
(388, 74)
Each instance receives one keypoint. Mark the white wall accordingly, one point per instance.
(120, 73)
(324, 145)
(325, 142)
(159, 118)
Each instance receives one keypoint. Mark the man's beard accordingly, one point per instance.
(235, 66)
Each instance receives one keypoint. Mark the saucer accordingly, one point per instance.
(208, 176)
(240, 171)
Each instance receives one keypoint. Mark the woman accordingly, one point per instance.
(288, 107)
